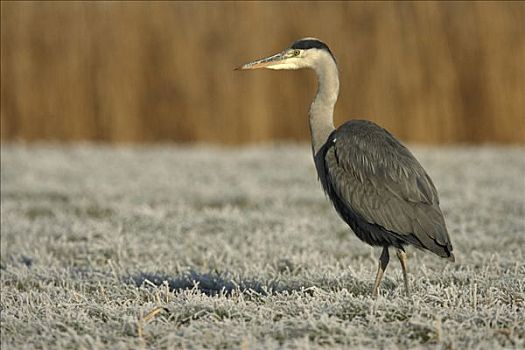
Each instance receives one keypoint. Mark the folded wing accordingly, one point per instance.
(380, 181)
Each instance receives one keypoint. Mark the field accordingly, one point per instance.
(192, 247)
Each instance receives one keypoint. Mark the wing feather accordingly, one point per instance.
(380, 180)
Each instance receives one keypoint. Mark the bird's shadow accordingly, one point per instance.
(215, 283)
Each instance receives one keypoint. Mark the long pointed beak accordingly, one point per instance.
(263, 62)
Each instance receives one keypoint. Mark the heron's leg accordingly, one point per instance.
(383, 262)
(402, 256)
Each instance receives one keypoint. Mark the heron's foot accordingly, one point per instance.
(402, 256)
(383, 262)
(375, 292)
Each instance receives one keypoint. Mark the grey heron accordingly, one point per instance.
(374, 182)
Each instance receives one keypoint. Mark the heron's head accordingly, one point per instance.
(304, 53)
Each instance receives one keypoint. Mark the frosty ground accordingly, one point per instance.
(191, 247)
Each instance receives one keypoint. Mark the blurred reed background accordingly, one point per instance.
(162, 71)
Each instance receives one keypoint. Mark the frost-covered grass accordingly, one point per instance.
(182, 247)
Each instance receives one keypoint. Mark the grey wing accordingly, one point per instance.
(379, 180)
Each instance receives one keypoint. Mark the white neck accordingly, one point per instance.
(322, 108)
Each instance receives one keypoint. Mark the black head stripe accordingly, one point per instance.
(306, 44)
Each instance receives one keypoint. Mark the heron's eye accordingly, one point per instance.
(296, 52)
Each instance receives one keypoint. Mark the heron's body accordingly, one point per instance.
(380, 190)
(376, 185)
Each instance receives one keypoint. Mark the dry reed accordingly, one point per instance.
(156, 71)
